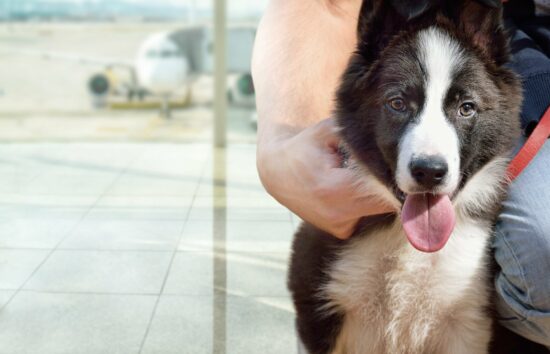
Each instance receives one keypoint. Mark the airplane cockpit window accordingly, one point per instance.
(164, 53)
(170, 54)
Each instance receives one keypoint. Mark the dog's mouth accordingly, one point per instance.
(428, 217)
(428, 220)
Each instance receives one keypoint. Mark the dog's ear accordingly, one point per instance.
(481, 21)
(378, 23)
(410, 9)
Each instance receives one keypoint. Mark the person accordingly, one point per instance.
(301, 50)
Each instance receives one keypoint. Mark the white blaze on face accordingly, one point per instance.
(431, 134)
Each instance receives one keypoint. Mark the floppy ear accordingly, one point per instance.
(378, 23)
(481, 22)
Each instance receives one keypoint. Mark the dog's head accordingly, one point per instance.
(426, 103)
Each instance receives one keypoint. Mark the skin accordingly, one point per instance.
(302, 48)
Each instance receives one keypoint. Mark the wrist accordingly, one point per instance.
(271, 142)
(268, 161)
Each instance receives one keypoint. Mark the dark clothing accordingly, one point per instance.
(530, 42)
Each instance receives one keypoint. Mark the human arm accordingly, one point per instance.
(302, 47)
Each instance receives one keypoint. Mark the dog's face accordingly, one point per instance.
(425, 104)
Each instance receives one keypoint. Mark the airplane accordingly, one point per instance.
(166, 64)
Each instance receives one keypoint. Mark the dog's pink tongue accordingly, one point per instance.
(428, 221)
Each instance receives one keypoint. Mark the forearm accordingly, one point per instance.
(301, 49)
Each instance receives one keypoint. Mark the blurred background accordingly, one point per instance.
(132, 219)
(108, 69)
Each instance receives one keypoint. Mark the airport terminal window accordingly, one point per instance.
(78, 62)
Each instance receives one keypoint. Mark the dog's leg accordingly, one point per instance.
(317, 332)
(312, 252)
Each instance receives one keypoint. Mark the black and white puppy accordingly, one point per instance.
(429, 114)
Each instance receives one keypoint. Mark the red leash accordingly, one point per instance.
(531, 147)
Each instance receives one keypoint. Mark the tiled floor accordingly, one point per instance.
(141, 248)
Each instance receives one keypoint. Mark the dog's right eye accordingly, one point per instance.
(467, 110)
(397, 104)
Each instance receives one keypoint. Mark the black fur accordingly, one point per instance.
(386, 62)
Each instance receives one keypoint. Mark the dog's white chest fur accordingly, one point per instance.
(399, 300)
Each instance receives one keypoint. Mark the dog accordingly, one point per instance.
(428, 113)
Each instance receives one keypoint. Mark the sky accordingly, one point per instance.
(236, 8)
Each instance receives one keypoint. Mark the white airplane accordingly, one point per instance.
(168, 63)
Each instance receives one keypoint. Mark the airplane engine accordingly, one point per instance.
(99, 86)
(241, 91)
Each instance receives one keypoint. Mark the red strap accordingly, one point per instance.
(531, 147)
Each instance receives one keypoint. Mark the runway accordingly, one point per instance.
(48, 99)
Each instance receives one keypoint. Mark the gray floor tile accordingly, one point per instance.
(152, 184)
(260, 325)
(71, 183)
(257, 274)
(197, 236)
(172, 159)
(140, 207)
(239, 208)
(34, 232)
(74, 323)
(45, 206)
(256, 209)
(14, 180)
(122, 244)
(182, 325)
(259, 236)
(87, 157)
(102, 272)
(247, 274)
(190, 325)
(238, 189)
(191, 274)
(5, 296)
(234, 187)
(17, 265)
(123, 234)
(203, 207)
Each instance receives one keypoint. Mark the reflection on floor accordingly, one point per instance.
(140, 248)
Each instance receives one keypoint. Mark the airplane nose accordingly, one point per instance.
(429, 171)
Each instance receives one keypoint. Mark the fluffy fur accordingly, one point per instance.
(375, 293)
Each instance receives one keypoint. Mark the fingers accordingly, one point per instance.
(307, 178)
(328, 132)
(361, 201)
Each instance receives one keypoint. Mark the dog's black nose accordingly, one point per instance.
(429, 171)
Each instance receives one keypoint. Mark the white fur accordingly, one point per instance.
(432, 134)
(399, 300)
(370, 186)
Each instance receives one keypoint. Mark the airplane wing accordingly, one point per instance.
(107, 62)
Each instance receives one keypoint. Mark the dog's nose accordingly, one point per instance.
(429, 171)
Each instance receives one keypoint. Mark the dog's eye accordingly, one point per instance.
(397, 104)
(467, 110)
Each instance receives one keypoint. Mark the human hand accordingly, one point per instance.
(303, 172)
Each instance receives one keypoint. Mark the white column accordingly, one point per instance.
(220, 73)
